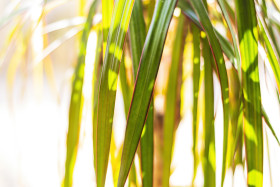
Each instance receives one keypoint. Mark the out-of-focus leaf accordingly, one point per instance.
(107, 12)
(147, 72)
(271, 52)
(267, 121)
(132, 176)
(248, 42)
(76, 102)
(196, 78)
(61, 24)
(108, 83)
(235, 130)
(126, 90)
(55, 44)
(209, 161)
(222, 73)
(171, 95)
(95, 91)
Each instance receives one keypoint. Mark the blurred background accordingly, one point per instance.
(39, 44)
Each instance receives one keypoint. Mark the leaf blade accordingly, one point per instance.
(147, 72)
(248, 42)
(108, 84)
(221, 70)
(76, 102)
(171, 97)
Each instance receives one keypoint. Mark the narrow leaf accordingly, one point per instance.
(147, 73)
(137, 35)
(196, 78)
(108, 84)
(190, 13)
(107, 12)
(248, 42)
(76, 102)
(95, 91)
(267, 121)
(209, 161)
(222, 4)
(222, 73)
(272, 54)
(171, 97)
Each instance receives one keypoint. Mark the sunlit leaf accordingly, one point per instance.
(76, 103)
(171, 96)
(248, 42)
(108, 84)
(221, 67)
(271, 52)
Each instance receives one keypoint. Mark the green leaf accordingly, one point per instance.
(248, 42)
(125, 87)
(222, 73)
(271, 52)
(107, 12)
(108, 84)
(147, 148)
(171, 106)
(222, 4)
(190, 13)
(95, 91)
(137, 35)
(147, 72)
(196, 78)
(235, 130)
(209, 161)
(267, 121)
(75, 109)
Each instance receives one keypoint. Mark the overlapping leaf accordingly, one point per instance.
(137, 35)
(147, 72)
(221, 69)
(171, 96)
(108, 84)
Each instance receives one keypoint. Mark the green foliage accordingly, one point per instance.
(216, 50)
(155, 48)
